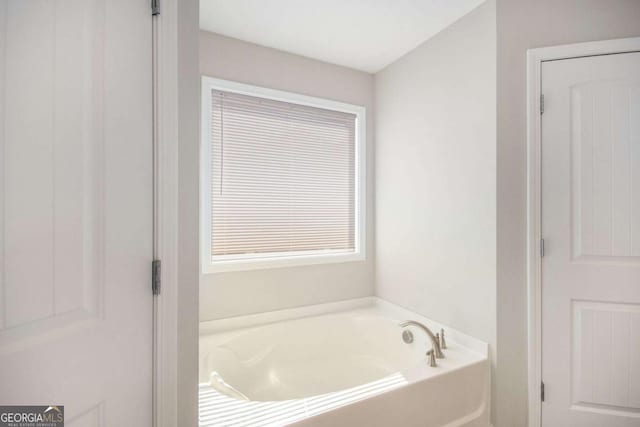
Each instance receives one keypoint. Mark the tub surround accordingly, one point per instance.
(312, 364)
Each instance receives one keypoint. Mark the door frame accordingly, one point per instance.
(165, 213)
(176, 140)
(535, 58)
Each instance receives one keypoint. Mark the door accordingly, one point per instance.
(591, 230)
(76, 208)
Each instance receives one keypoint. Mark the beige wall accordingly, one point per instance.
(237, 293)
(524, 24)
(436, 177)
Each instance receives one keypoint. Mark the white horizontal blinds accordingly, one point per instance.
(283, 177)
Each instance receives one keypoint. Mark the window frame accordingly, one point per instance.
(282, 259)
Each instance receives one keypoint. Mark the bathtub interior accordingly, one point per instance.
(307, 357)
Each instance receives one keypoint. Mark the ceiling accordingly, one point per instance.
(363, 34)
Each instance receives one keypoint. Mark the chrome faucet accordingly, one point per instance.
(437, 351)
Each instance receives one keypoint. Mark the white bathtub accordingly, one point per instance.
(338, 364)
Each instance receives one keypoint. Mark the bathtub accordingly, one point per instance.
(338, 364)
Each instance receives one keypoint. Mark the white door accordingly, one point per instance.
(591, 227)
(76, 208)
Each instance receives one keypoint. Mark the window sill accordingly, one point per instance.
(264, 262)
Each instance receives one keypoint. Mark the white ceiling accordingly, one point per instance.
(363, 34)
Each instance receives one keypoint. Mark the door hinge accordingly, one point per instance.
(156, 270)
(541, 248)
(541, 104)
(542, 391)
(155, 7)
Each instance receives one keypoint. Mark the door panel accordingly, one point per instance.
(76, 208)
(53, 168)
(591, 226)
(611, 377)
(603, 165)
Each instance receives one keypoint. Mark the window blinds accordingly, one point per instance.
(282, 178)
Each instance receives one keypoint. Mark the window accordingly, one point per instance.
(282, 178)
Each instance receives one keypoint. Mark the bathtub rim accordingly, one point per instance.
(386, 308)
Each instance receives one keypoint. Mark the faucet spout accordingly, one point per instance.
(434, 341)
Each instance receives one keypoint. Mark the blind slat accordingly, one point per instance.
(282, 177)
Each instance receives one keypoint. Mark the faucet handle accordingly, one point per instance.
(431, 355)
(443, 343)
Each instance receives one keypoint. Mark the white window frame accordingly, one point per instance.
(260, 261)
